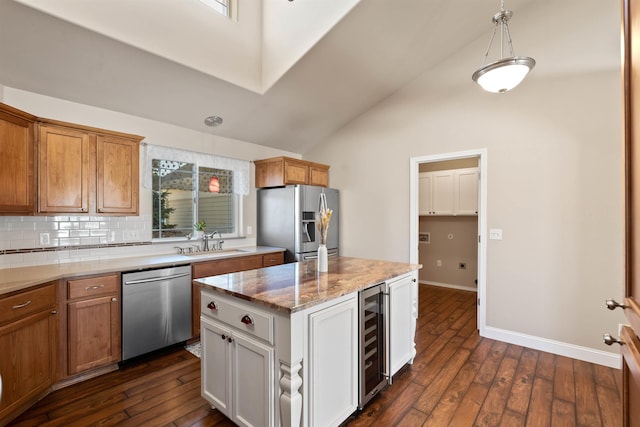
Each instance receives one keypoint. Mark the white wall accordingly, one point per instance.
(291, 28)
(554, 171)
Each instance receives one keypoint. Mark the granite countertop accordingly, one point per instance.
(15, 279)
(296, 286)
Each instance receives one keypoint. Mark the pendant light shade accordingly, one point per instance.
(214, 185)
(506, 73)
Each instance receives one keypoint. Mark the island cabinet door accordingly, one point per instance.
(403, 307)
(252, 382)
(216, 365)
(333, 363)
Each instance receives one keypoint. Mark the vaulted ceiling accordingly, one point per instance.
(277, 81)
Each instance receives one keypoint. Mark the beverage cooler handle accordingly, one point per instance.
(386, 310)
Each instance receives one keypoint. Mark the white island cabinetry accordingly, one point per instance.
(280, 344)
(403, 311)
(252, 370)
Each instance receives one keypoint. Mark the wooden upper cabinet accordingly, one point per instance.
(63, 178)
(281, 171)
(118, 175)
(17, 148)
(87, 170)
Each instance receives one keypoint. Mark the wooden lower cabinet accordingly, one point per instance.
(224, 266)
(28, 325)
(93, 323)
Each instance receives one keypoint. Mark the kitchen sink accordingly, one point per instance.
(213, 254)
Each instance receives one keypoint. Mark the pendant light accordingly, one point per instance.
(214, 184)
(506, 73)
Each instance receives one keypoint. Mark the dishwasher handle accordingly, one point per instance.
(156, 279)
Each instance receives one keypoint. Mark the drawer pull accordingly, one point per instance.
(212, 306)
(93, 288)
(247, 320)
(15, 307)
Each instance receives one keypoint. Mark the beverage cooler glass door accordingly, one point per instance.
(373, 336)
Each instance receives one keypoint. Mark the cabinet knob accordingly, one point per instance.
(85, 210)
(100, 210)
(613, 304)
(609, 340)
(212, 306)
(230, 339)
(224, 337)
(114, 299)
(54, 311)
(247, 320)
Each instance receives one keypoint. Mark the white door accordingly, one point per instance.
(403, 293)
(442, 193)
(424, 197)
(252, 381)
(216, 373)
(333, 358)
(467, 191)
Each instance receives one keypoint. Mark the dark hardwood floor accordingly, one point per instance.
(457, 379)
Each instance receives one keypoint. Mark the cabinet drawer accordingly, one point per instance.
(273, 259)
(27, 302)
(232, 314)
(93, 286)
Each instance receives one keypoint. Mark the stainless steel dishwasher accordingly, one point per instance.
(156, 309)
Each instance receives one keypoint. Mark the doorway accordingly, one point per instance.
(433, 162)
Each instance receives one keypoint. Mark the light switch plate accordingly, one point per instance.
(495, 234)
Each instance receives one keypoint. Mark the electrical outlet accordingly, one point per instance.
(249, 230)
(439, 263)
(462, 265)
(44, 239)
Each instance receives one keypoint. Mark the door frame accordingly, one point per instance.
(414, 171)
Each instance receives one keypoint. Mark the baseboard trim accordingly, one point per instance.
(586, 354)
(448, 285)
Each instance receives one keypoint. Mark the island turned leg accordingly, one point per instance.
(290, 399)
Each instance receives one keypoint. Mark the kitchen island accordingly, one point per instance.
(280, 344)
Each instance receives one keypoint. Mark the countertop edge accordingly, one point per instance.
(35, 276)
(262, 301)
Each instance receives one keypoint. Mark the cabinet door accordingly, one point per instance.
(118, 175)
(466, 191)
(252, 382)
(63, 170)
(216, 372)
(296, 172)
(442, 193)
(424, 195)
(93, 333)
(333, 366)
(27, 361)
(16, 164)
(402, 322)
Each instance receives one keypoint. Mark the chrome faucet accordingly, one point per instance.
(218, 245)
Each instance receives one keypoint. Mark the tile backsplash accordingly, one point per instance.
(34, 240)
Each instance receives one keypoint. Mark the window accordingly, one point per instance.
(228, 8)
(184, 194)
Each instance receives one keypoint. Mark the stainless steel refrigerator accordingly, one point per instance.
(287, 219)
